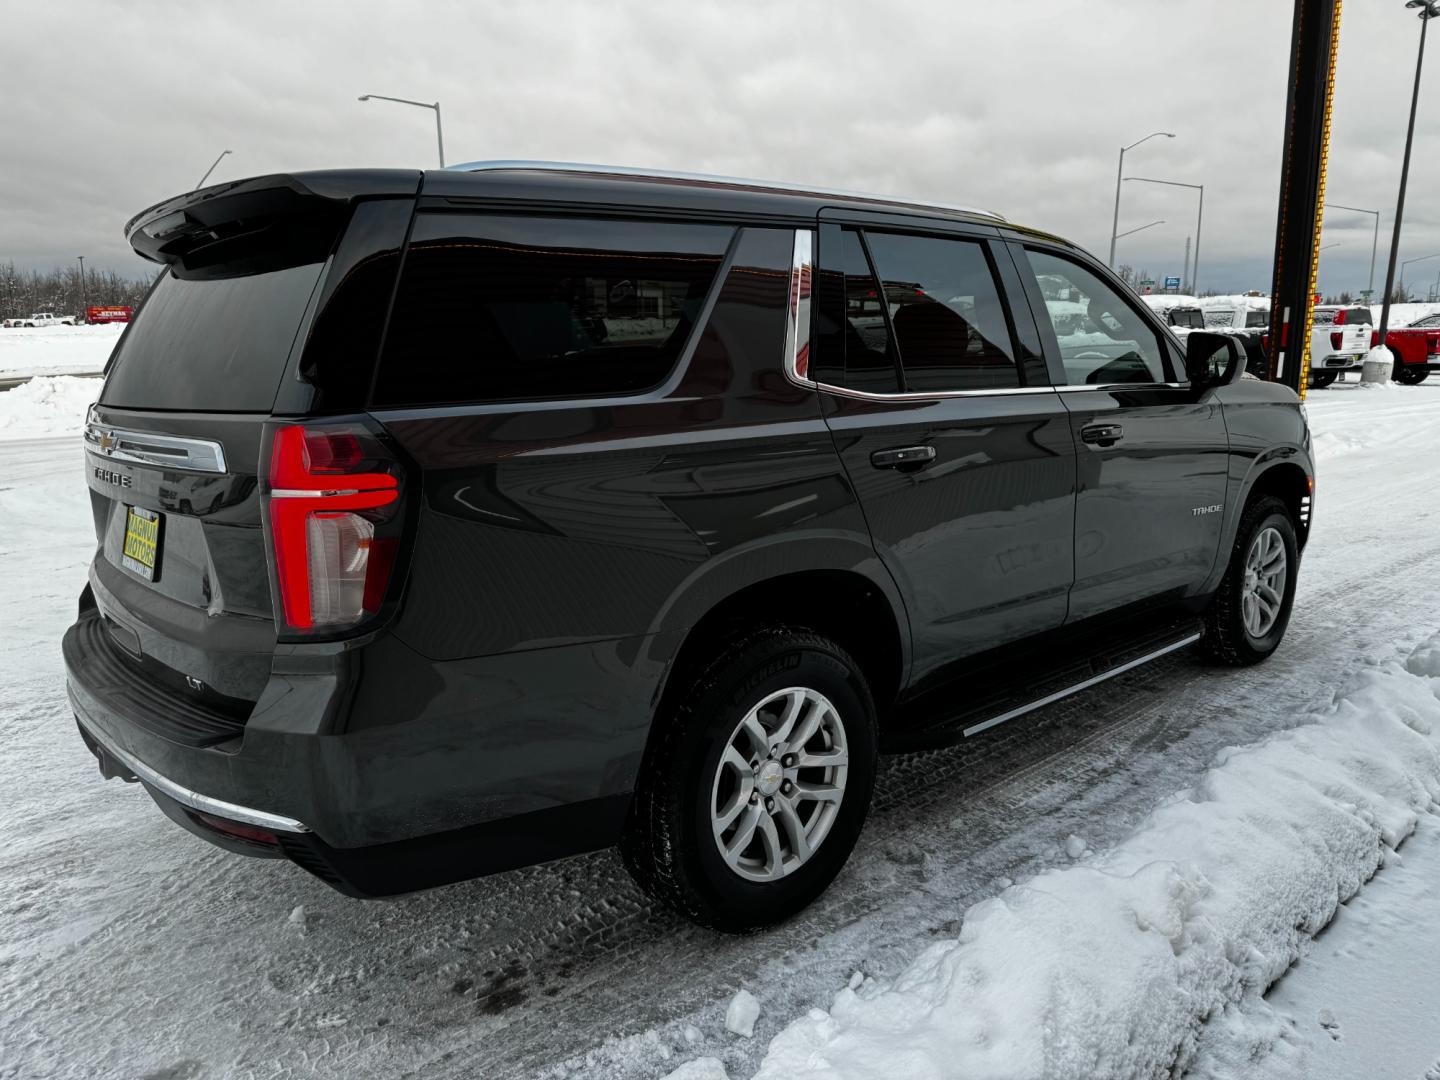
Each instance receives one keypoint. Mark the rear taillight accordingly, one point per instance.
(332, 510)
(1337, 340)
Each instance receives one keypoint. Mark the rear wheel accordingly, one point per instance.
(755, 790)
(1247, 619)
(1319, 380)
(1410, 376)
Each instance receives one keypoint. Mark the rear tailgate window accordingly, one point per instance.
(211, 343)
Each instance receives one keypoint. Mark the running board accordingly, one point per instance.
(1012, 682)
(1094, 680)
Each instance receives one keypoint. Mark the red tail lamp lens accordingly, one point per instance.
(1337, 339)
(332, 568)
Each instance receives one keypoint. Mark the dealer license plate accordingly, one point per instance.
(141, 553)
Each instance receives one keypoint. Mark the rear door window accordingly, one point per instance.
(869, 360)
(498, 307)
(946, 313)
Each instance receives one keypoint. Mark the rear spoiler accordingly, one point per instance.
(179, 230)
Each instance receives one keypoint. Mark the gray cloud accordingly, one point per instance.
(1020, 107)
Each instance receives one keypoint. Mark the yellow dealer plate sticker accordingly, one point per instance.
(141, 553)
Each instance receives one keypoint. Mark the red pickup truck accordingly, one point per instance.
(1416, 348)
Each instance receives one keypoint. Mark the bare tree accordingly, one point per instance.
(25, 291)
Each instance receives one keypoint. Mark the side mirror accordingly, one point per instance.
(1212, 360)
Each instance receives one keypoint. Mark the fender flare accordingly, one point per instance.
(1273, 457)
(719, 578)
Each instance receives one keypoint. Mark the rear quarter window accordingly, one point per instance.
(498, 308)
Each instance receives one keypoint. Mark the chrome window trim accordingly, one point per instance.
(150, 448)
(991, 391)
(796, 357)
(708, 178)
(196, 801)
(933, 395)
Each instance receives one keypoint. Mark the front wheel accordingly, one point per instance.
(755, 789)
(1410, 376)
(1247, 619)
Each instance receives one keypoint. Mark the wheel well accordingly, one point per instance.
(839, 604)
(1288, 483)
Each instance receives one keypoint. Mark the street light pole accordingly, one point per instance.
(1199, 221)
(1418, 258)
(82, 281)
(210, 170)
(1142, 228)
(1429, 9)
(1119, 169)
(1375, 242)
(435, 105)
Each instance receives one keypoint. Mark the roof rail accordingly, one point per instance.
(706, 178)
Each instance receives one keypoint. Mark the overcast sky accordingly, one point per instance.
(1020, 107)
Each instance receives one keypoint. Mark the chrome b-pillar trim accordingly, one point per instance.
(797, 308)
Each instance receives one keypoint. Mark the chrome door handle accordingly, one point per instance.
(903, 457)
(1102, 434)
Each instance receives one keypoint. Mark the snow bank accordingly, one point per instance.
(46, 406)
(54, 350)
(1405, 314)
(1111, 967)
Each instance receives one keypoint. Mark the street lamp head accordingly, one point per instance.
(363, 97)
(1429, 9)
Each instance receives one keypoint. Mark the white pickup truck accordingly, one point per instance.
(42, 318)
(1340, 337)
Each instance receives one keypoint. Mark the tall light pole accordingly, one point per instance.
(82, 281)
(1199, 220)
(1119, 169)
(1418, 258)
(1374, 244)
(1142, 228)
(439, 136)
(210, 170)
(1429, 9)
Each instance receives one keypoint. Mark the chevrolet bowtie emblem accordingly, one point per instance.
(107, 442)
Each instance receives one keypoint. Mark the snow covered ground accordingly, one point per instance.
(53, 350)
(1105, 886)
(46, 406)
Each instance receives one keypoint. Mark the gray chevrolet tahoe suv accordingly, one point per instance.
(453, 521)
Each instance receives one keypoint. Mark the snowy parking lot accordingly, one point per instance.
(1147, 859)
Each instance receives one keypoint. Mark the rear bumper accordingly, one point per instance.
(392, 773)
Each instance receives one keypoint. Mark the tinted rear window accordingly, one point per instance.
(494, 308)
(216, 345)
(946, 312)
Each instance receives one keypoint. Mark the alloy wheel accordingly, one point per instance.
(1263, 591)
(779, 784)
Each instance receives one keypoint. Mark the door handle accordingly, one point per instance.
(903, 457)
(1102, 434)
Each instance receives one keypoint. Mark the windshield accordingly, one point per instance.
(216, 345)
